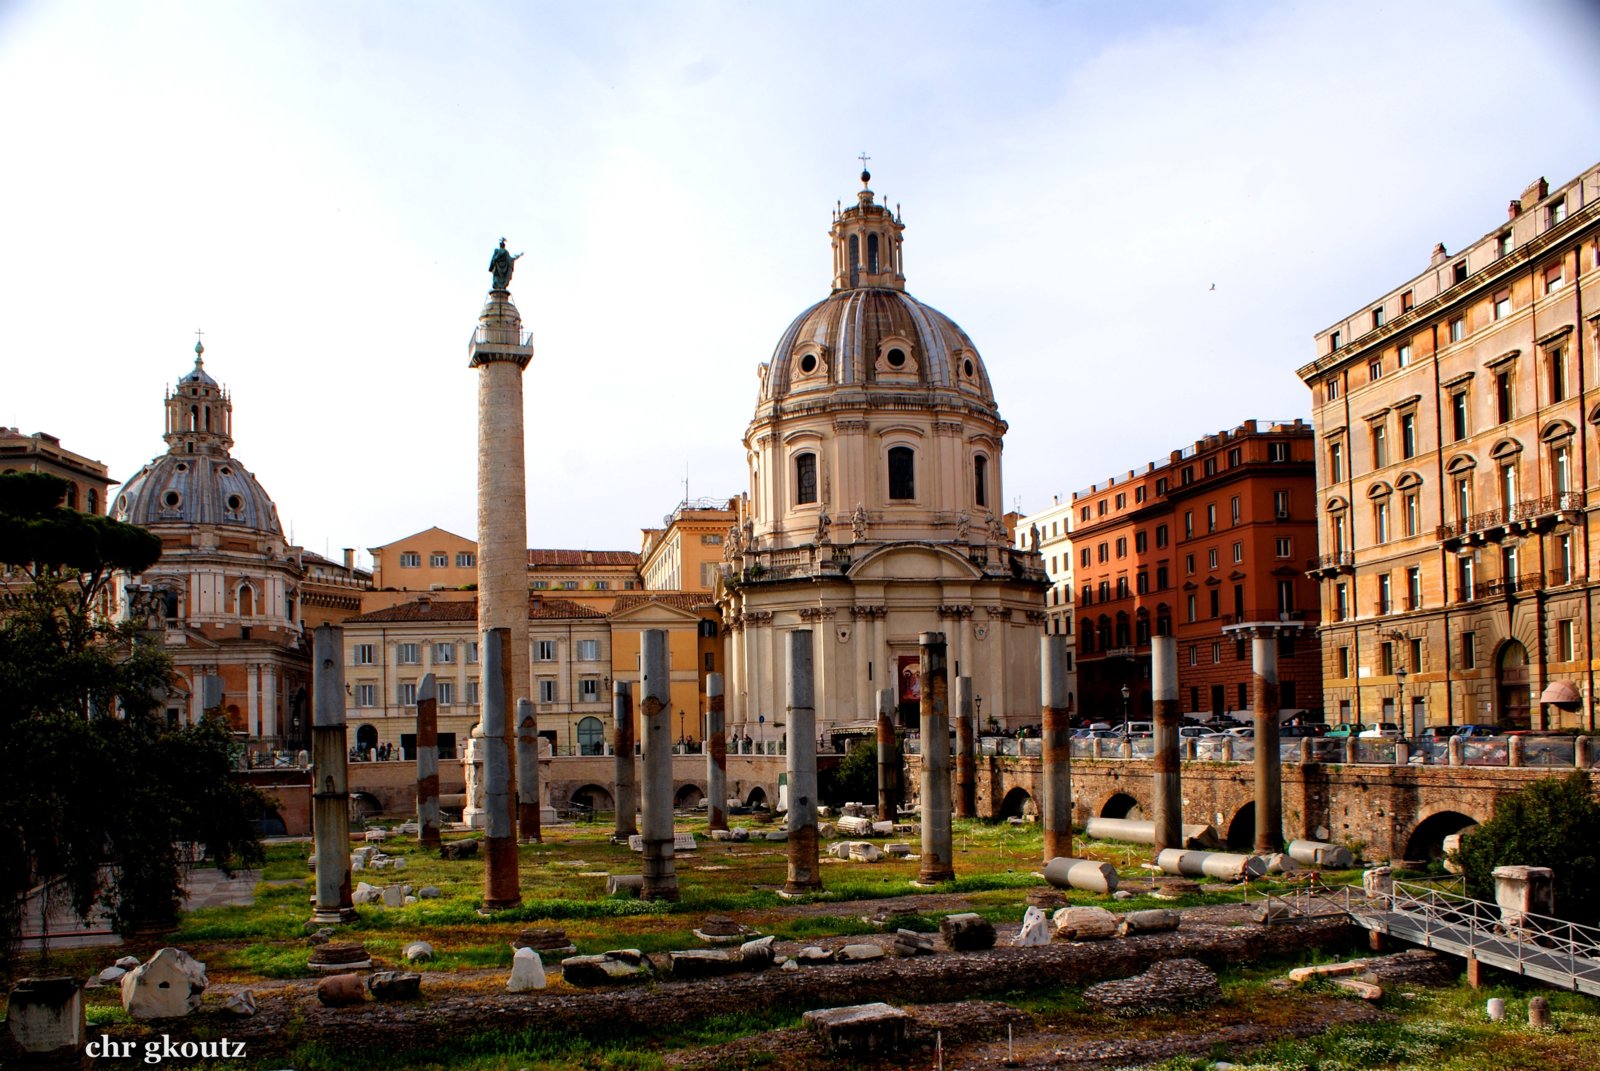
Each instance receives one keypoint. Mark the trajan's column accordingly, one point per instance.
(500, 351)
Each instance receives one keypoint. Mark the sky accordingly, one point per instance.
(1140, 213)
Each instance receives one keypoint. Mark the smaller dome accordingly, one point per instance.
(197, 489)
(198, 374)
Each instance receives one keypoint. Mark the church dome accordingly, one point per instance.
(875, 337)
(197, 481)
(197, 489)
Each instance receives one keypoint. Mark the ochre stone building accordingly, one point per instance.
(874, 508)
(1457, 476)
(1216, 536)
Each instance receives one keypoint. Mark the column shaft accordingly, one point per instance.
(428, 762)
(1269, 768)
(626, 776)
(937, 865)
(501, 887)
(1167, 789)
(1055, 805)
(800, 698)
(528, 815)
(660, 868)
(330, 787)
(716, 754)
(888, 758)
(966, 751)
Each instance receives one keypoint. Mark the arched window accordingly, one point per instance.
(872, 252)
(591, 737)
(805, 478)
(72, 496)
(855, 259)
(194, 418)
(207, 417)
(980, 480)
(247, 601)
(94, 500)
(1086, 635)
(1104, 632)
(902, 473)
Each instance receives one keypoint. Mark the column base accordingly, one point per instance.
(489, 907)
(334, 917)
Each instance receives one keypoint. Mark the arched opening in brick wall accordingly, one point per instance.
(1121, 805)
(1017, 803)
(1242, 830)
(1427, 840)
(594, 797)
(756, 798)
(688, 797)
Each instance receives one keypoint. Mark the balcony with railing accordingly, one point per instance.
(1331, 565)
(825, 559)
(1519, 518)
(1270, 614)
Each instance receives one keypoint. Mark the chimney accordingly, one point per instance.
(350, 558)
(424, 602)
(1439, 256)
(1536, 191)
(1514, 209)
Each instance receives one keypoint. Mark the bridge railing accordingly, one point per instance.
(1546, 752)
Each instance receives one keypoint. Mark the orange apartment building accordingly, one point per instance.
(1216, 536)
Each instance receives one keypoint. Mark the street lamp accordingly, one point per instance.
(1125, 694)
(681, 738)
(1400, 677)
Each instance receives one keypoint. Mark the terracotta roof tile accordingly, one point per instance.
(569, 558)
(541, 607)
(684, 600)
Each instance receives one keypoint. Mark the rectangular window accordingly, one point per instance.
(363, 654)
(1194, 654)
(466, 559)
(1386, 659)
(588, 689)
(1238, 552)
(1103, 552)
(1211, 466)
(1141, 583)
(408, 654)
(1374, 370)
(408, 694)
(472, 652)
(1277, 451)
(1188, 524)
(1408, 435)
(1502, 304)
(1122, 546)
(1283, 547)
(1192, 606)
(545, 650)
(444, 654)
(1336, 462)
(366, 695)
(1504, 245)
(447, 693)
(1161, 485)
(1556, 212)
(1413, 513)
(1138, 493)
(438, 560)
(602, 585)
(1085, 556)
(1341, 602)
(1377, 317)
(1186, 477)
(1458, 329)
(1216, 602)
(1161, 535)
(1385, 596)
(1163, 581)
(1100, 508)
(902, 473)
(569, 585)
(1469, 650)
(1458, 272)
(588, 650)
(1122, 587)
(1416, 656)
(1567, 640)
(1122, 501)
(547, 690)
(1235, 456)
(1466, 586)
(1211, 558)
(1286, 596)
(1558, 375)
(1105, 590)
(1402, 355)
(1458, 415)
(1407, 300)
(410, 559)
(1344, 663)
(1188, 564)
(539, 585)
(472, 693)
(1463, 499)
(1211, 517)
(1380, 521)
(1235, 509)
(1380, 446)
(1333, 389)
(1141, 542)
(1280, 504)
(1563, 559)
(1216, 652)
(1502, 397)
(1338, 532)
(1335, 340)
(1555, 278)
(1414, 588)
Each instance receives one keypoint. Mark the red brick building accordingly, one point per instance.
(1216, 536)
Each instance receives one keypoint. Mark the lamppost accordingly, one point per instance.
(977, 708)
(1125, 694)
(1400, 677)
(682, 740)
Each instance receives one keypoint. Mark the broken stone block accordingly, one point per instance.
(862, 852)
(339, 957)
(778, 835)
(859, 1030)
(458, 849)
(720, 930)
(1085, 924)
(1035, 929)
(967, 932)
(110, 975)
(740, 833)
(365, 894)
(128, 963)
(627, 884)
(545, 940)
(394, 895)
(527, 971)
(429, 892)
(1364, 990)
(757, 955)
(722, 834)
(898, 850)
(242, 1004)
(704, 963)
(46, 1021)
(341, 990)
(912, 943)
(1154, 920)
(1048, 899)
(684, 842)
(166, 987)
(859, 953)
(378, 834)
(619, 965)
(418, 952)
(813, 954)
(395, 985)
(854, 826)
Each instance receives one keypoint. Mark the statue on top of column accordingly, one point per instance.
(501, 265)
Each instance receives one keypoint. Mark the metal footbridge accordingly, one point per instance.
(1554, 951)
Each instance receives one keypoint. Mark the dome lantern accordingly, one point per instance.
(866, 244)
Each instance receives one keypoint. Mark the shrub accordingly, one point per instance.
(1554, 822)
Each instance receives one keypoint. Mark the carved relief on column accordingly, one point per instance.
(999, 613)
(816, 613)
(868, 612)
(1038, 617)
(957, 612)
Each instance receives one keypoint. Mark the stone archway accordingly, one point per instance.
(1426, 841)
(688, 797)
(1511, 685)
(1017, 803)
(366, 738)
(594, 797)
(1121, 805)
(1242, 830)
(756, 798)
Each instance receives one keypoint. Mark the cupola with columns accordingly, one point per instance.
(199, 412)
(866, 243)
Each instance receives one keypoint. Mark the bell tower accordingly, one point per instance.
(866, 244)
(199, 413)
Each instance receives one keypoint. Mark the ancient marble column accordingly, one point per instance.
(500, 352)
(501, 886)
(888, 758)
(1166, 788)
(1269, 767)
(1055, 803)
(330, 793)
(716, 755)
(625, 773)
(428, 762)
(655, 718)
(966, 751)
(527, 772)
(805, 873)
(937, 862)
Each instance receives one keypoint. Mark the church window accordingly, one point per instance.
(171, 499)
(247, 601)
(966, 367)
(235, 503)
(805, 478)
(980, 479)
(855, 258)
(902, 462)
(872, 252)
(808, 363)
(194, 418)
(896, 358)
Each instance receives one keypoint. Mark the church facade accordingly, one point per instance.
(874, 508)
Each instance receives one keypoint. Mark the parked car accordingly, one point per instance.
(1296, 732)
(1185, 731)
(1439, 733)
(1139, 728)
(1380, 730)
(1243, 732)
(1343, 731)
